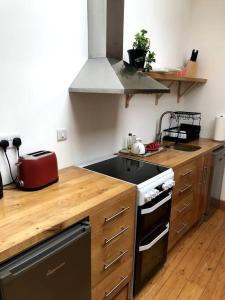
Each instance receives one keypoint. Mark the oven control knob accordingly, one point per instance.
(146, 199)
(151, 195)
(168, 185)
(155, 193)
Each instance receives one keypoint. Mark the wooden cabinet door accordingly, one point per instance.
(208, 170)
(199, 187)
(205, 176)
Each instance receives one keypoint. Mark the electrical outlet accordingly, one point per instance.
(61, 134)
(9, 137)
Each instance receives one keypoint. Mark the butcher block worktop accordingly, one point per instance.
(173, 158)
(27, 218)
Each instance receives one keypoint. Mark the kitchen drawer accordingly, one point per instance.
(112, 236)
(113, 285)
(119, 213)
(182, 205)
(107, 259)
(185, 177)
(124, 294)
(179, 226)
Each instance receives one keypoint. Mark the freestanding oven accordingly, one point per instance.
(154, 193)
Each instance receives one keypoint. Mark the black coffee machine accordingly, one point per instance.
(1, 186)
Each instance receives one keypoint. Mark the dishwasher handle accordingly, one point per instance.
(36, 255)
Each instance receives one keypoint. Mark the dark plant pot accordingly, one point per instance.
(137, 57)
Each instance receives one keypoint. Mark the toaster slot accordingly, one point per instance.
(39, 153)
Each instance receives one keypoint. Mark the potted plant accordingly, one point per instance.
(150, 58)
(141, 46)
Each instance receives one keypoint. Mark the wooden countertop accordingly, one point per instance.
(27, 218)
(174, 158)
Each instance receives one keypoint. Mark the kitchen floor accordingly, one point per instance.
(195, 268)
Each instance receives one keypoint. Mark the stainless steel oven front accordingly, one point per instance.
(151, 238)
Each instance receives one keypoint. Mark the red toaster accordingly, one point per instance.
(37, 170)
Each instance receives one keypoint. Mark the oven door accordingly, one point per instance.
(153, 213)
(151, 254)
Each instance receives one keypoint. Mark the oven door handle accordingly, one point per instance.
(150, 245)
(153, 208)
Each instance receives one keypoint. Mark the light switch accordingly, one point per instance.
(61, 134)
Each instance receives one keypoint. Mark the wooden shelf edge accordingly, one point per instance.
(171, 78)
(174, 77)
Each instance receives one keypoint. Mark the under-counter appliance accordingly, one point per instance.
(218, 163)
(57, 269)
(154, 195)
(37, 170)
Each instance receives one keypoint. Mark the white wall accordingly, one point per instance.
(167, 22)
(43, 45)
(207, 35)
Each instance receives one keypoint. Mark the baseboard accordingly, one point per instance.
(222, 204)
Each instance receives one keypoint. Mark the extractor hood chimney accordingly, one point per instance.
(105, 71)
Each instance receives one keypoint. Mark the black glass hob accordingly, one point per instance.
(133, 171)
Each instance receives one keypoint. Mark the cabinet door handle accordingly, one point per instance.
(107, 241)
(186, 173)
(115, 260)
(107, 220)
(122, 280)
(179, 231)
(186, 188)
(186, 205)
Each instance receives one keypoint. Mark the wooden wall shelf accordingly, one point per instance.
(184, 84)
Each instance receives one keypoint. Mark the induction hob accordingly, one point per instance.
(133, 171)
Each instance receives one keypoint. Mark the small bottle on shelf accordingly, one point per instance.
(129, 141)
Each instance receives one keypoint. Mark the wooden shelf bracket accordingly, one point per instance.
(186, 90)
(158, 96)
(184, 83)
(127, 100)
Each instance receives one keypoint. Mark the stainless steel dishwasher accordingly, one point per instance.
(57, 269)
(213, 202)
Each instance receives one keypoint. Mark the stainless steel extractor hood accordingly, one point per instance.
(105, 71)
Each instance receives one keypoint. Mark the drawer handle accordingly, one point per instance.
(186, 205)
(179, 231)
(107, 220)
(186, 188)
(115, 260)
(107, 241)
(122, 280)
(186, 173)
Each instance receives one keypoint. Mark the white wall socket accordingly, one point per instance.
(9, 137)
(61, 134)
